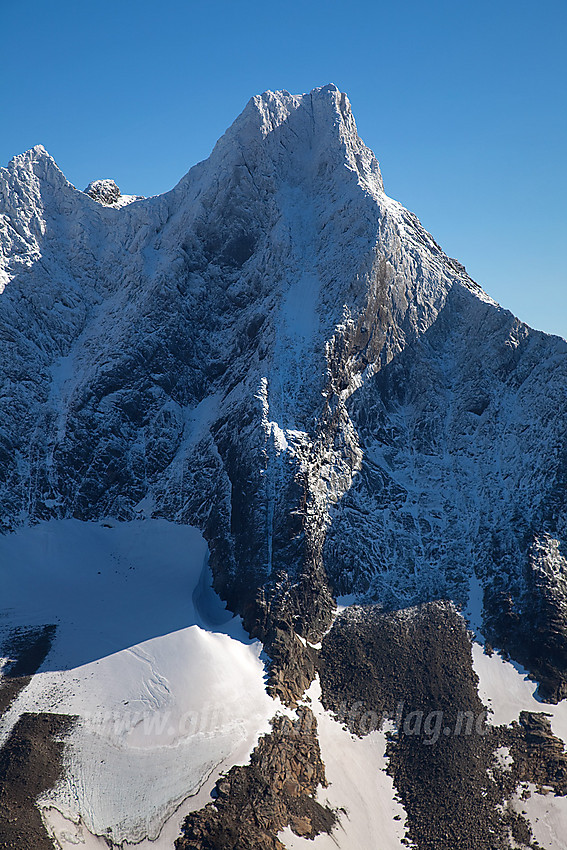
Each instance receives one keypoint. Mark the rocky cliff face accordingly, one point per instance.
(279, 353)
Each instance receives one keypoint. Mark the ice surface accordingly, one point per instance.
(167, 686)
(547, 815)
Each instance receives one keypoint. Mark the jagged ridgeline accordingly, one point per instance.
(279, 354)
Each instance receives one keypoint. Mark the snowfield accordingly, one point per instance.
(358, 785)
(547, 815)
(168, 689)
(506, 690)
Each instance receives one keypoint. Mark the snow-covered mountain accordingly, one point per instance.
(279, 355)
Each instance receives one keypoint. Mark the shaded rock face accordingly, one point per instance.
(24, 651)
(277, 789)
(535, 629)
(278, 353)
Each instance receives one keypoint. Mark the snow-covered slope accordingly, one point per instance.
(167, 688)
(278, 354)
(273, 333)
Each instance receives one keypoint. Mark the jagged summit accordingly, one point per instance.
(302, 137)
(317, 130)
(35, 162)
(272, 109)
(35, 154)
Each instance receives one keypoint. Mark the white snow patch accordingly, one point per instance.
(168, 688)
(503, 757)
(505, 688)
(547, 815)
(358, 785)
(125, 200)
(66, 834)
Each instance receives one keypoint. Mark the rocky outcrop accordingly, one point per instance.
(277, 789)
(538, 756)
(30, 763)
(292, 664)
(104, 191)
(107, 194)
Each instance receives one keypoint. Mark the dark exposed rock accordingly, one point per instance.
(277, 789)
(280, 614)
(532, 626)
(415, 667)
(457, 265)
(539, 756)
(420, 657)
(30, 763)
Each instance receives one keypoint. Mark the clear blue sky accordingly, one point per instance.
(464, 104)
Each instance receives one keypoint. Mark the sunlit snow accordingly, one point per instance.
(168, 688)
(359, 788)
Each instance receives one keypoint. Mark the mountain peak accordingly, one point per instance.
(36, 163)
(37, 154)
(277, 355)
(317, 128)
